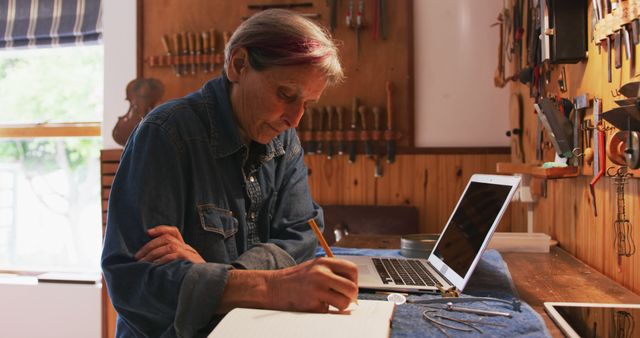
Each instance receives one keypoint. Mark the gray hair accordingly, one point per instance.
(278, 37)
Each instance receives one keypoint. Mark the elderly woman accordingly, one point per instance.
(209, 208)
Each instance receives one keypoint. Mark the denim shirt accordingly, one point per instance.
(239, 206)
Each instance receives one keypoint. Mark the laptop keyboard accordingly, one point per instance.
(404, 272)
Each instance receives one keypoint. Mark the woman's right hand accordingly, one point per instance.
(314, 285)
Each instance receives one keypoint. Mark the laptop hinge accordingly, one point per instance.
(450, 292)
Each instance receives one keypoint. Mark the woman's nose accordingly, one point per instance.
(294, 114)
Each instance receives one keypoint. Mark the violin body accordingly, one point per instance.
(143, 95)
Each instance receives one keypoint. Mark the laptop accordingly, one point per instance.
(458, 249)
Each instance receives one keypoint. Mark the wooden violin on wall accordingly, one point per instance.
(143, 94)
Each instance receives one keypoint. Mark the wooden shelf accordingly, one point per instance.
(565, 172)
(536, 171)
(514, 168)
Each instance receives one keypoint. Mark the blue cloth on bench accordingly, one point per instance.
(490, 279)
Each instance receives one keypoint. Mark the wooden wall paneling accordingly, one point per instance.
(432, 183)
(423, 191)
(366, 73)
(396, 186)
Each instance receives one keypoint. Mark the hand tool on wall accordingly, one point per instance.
(329, 131)
(177, 46)
(599, 153)
(539, 137)
(499, 75)
(184, 36)
(383, 19)
(192, 52)
(516, 119)
(609, 52)
(616, 147)
(319, 112)
(627, 42)
(632, 150)
(359, 25)
(351, 134)
(340, 132)
(554, 119)
(580, 103)
(562, 80)
(206, 49)
(389, 134)
(198, 46)
(364, 131)
(518, 32)
(630, 89)
(311, 147)
(212, 50)
(635, 31)
(622, 226)
(625, 117)
(167, 50)
(375, 20)
(376, 135)
(587, 140)
(350, 17)
(618, 48)
(333, 14)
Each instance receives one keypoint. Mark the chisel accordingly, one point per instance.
(206, 49)
(319, 127)
(329, 133)
(340, 132)
(351, 134)
(359, 25)
(192, 52)
(599, 162)
(185, 52)
(389, 134)
(311, 146)
(177, 46)
(167, 49)
(617, 45)
(627, 42)
(198, 46)
(364, 132)
(212, 50)
(376, 135)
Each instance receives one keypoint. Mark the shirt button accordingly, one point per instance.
(252, 179)
(252, 216)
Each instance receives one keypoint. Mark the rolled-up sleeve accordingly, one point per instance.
(154, 300)
(264, 256)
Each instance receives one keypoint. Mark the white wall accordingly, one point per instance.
(119, 37)
(49, 310)
(455, 55)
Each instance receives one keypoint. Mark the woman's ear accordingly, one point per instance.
(237, 64)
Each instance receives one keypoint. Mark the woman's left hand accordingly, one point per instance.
(166, 246)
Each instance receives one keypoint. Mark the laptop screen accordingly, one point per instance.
(470, 224)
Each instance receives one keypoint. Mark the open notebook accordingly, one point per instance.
(370, 318)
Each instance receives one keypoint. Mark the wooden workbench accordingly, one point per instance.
(556, 276)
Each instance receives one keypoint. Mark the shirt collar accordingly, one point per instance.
(225, 134)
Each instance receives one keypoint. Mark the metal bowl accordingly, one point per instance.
(417, 245)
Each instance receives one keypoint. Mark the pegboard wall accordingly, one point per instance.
(378, 59)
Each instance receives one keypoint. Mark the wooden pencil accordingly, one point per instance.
(323, 242)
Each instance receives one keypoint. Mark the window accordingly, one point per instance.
(50, 113)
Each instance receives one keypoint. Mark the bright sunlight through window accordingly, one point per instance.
(50, 216)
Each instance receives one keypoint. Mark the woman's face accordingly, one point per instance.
(268, 102)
